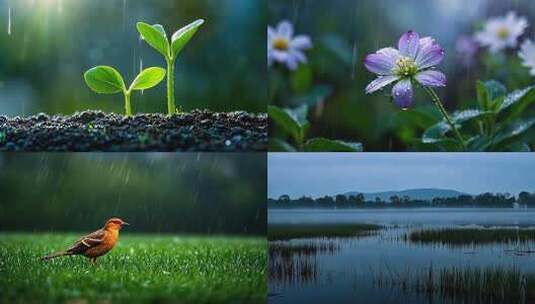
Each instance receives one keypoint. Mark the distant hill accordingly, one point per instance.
(419, 194)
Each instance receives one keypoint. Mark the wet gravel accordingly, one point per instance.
(99, 131)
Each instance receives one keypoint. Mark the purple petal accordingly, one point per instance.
(380, 83)
(301, 42)
(392, 54)
(429, 55)
(380, 64)
(426, 41)
(403, 94)
(431, 78)
(409, 44)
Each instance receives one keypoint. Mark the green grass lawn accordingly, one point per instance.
(141, 268)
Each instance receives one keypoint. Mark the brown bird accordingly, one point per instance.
(95, 244)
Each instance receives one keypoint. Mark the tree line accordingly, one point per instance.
(486, 200)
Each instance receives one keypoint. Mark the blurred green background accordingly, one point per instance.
(345, 31)
(201, 193)
(53, 42)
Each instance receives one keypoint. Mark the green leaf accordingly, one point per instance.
(299, 114)
(278, 145)
(328, 145)
(104, 80)
(466, 115)
(515, 103)
(155, 36)
(183, 36)
(495, 89)
(489, 92)
(148, 78)
(287, 122)
(482, 95)
(435, 133)
(161, 29)
(512, 133)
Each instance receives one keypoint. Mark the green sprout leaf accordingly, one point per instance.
(104, 80)
(183, 36)
(155, 36)
(148, 78)
(327, 145)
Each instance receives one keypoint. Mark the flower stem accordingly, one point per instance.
(171, 108)
(127, 104)
(438, 103)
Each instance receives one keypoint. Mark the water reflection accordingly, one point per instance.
(387, 267)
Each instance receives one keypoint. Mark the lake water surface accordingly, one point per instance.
(354, 270)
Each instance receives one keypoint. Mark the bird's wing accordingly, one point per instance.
(88, 241)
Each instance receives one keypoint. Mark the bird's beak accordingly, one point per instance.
(125, 224)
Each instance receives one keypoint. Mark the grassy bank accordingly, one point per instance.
(466, 285)
(290, 231)
(461, 236)
(144, 268)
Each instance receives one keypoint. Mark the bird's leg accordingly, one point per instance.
(93, 261)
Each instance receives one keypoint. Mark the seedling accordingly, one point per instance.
(107, 80)
(156, 37)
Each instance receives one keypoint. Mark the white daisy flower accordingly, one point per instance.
(286, 49)
(527, 54)
(500, 33)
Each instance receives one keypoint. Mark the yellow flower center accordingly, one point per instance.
(503, 33)
(405, 67)
(281, 44)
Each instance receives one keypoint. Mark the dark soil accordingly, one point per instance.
(99, 131)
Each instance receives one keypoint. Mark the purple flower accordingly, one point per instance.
(413, 62)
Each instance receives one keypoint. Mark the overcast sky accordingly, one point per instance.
(315, 174)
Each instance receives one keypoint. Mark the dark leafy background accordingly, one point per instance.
(207, 193)
(53, 42)
(344, 31)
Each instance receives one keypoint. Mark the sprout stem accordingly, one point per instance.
(438, 103)
(171, 108)
(127, 104)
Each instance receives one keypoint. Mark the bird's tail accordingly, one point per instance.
(55, 255)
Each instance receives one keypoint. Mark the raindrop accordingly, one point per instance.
(354, 61)
(124, 14)
(228, 142)
(9, 21)
(141, 69)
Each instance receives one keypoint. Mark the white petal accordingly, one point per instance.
(285, 29)
(301, 42)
